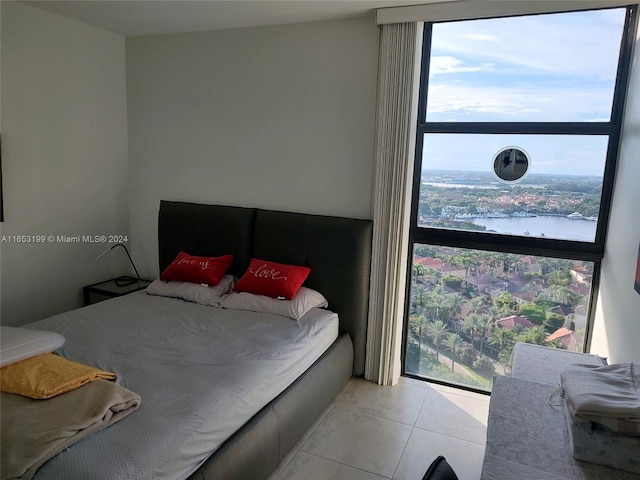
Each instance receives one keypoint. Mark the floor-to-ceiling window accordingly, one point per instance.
(518, 130)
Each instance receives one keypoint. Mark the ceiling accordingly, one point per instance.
(147, 17)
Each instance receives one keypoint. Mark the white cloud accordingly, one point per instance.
(482, 37)
(556, 154)
(582, 44)
(514, 103)
(445, 64)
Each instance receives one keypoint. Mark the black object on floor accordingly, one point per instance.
(440, 470)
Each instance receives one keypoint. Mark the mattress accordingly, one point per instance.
(201, 372)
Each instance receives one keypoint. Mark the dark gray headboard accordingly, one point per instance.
(338, 251)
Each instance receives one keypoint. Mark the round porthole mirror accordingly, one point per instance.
(511, 164)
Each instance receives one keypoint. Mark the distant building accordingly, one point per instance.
(582, 275)
(524, 297)
(495, 291)
(465, 310)
(531, 264)
(440, 266)
(513, 320)
(569, 339)
(578, 317)
(429, 262)
(484, 284)
(561, 310)
(582, 289)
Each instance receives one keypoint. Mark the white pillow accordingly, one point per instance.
(192, 292)
(17, 343)
(305, 300)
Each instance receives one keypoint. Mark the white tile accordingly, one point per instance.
(305, 466)
(285, 461)
(423, 447)
(459, 391)
(321, 416)
(415, 382)
(400, 403)
(455, 415)
(366, 434)
(283, 464)
(362, 441)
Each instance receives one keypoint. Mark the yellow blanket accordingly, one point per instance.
(48, 375)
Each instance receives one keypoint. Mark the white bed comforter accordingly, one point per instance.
(201, 372)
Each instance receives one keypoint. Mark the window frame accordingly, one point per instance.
(547, 247)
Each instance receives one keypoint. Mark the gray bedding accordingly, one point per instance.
(33, 431)
(201, 372)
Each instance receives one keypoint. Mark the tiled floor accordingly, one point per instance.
(373, 432)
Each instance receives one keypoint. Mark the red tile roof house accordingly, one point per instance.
(569, 339)
(513, 320)
(429, 262)
(582, 274)
(440, 266)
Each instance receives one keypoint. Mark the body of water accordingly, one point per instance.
(560, 228)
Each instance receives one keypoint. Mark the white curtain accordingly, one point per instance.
(392, 176)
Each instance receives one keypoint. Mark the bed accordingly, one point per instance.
(160, 348)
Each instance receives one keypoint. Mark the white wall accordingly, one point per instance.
(274, 117)
(616, 332)
(64, 142)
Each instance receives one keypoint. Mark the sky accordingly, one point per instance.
(558, 67)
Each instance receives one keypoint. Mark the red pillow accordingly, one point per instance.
(208, 270)
(272, 279)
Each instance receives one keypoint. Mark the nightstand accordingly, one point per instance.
(116, 287)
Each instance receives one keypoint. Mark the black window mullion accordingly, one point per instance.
(422, 111)
(624, 64)
(617, 114)
(507, 243)
(539, 128)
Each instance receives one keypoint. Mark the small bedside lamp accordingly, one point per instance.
(125, 279)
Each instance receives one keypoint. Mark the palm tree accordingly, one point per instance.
(556, 343)
(473, 323)
(495, 313)
(535, 335)
(504, 302)
(475, 304)
(420, 294)
(454, 343)
(455, 303)
(439, 303)
(418, 271)
(434, 273)
(485, 322)
(436, 330)
(467, 260)
(420, 322)
(503, 338)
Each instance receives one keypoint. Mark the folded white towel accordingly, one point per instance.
(607, 395)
